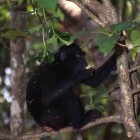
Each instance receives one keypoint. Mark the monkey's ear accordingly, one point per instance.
(62, 56)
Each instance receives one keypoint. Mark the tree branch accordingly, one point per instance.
(90, 14)
(128, 116)
(110, 8)
(133, 69)
(135, 91)
(103, 120)
(109, 119)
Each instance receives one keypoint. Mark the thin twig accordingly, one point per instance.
(103, 120)
(133, 69)
(121, 45)
(135, 91)
(6, 23)
(3, 43)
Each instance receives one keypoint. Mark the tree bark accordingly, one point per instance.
(128, 115)
(17, 52)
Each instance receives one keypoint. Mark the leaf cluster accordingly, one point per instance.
(109, 36)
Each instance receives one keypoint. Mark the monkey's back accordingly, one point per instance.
(45, 77)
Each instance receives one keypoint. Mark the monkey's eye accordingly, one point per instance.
(62, 56)
(78, 56)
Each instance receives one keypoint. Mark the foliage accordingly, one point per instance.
(48, 26)
(47, 13)
(135, 37)
(109, 36)
(106, 43)
(49, 4)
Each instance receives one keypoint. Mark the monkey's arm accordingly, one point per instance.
(102, 72)
(61, 89)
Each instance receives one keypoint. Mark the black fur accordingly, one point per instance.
(50, 96)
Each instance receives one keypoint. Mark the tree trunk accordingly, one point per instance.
(17, 48)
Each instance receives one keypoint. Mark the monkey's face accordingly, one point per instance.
(73, 58)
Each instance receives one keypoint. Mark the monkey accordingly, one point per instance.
(50, 96)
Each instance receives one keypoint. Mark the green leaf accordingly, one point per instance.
(137, 49)
(32, 59)
(64, 38)
(104, 30)
(43, 56)
(77, 35)
(122, 26)
(35, 29)
(52, 40)
(40, 56)
(135, 37)
(50, 4)
(106, 43)
(12, 34)
(20, 2)
(49, 57)
(62, 33)
(59, 14)
(52, 44)
(64, 41)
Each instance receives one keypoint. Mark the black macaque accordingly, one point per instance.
(50, 96)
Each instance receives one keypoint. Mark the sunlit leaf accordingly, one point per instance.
(135, 37)
(106, 43)
(50, 4)
(137, 49)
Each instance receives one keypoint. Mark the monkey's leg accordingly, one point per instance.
(73, 109)
(54, 118)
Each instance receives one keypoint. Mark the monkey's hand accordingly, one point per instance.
(84, 74)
